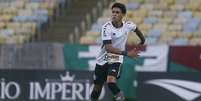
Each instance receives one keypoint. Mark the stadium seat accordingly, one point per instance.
(2, 25)
(140, 13)
(132, 6)
(154, 33)
(170, 14)
(179, 42)
(21, 19)
(168, 2)
(173, 34)
(136, 20)
(122, 1)
(32, 5)
(185, 14)
(151, 20)
(195, 41)
(145, 27)
(181, 21)
(194, 21)
(191, 25)
(147, 6)
(50, 6)
(30, 25)
(175, 27)
(197, 15)
(182, 2)
(155, 13)
(185, 35)
(196, 35)
(165, 20)
(2, 39)
(161, 6)
(162, 27)
(18, 4)
(7, 32)
(193, 6)
(165, 39)
(5, 18)
(9, 11)
(151, 40)
(40, 12)
(151, 1)
(14, 26)
(177, 7)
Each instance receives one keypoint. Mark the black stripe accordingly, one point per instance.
(107, 42)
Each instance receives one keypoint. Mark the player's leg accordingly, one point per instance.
(99, 79)
(96, 92)
(113, 74)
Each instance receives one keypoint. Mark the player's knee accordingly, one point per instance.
(111, 79)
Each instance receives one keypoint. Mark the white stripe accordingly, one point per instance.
(119, 70)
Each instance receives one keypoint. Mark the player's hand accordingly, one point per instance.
(133, 53)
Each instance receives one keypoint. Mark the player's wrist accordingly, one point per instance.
(142, 42)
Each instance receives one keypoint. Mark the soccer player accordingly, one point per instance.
(114, 36)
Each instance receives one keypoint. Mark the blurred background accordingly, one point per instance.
(48, 49)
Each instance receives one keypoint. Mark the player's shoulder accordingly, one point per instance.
(107, 24)
(130, 23)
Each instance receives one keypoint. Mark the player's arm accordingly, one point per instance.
(140, 35)
(110, 49)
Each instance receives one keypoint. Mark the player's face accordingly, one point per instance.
(117, 15)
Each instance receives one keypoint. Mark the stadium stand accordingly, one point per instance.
(74, 20)
(27, 28)
(173, 22)
(22, 20)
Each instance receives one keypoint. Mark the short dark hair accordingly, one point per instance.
(121, 6)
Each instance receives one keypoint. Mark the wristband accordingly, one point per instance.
(125, 53)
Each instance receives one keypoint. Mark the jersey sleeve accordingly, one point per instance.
(106, 33)
(131, 26)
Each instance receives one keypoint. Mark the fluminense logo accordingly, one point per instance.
(187, 90)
